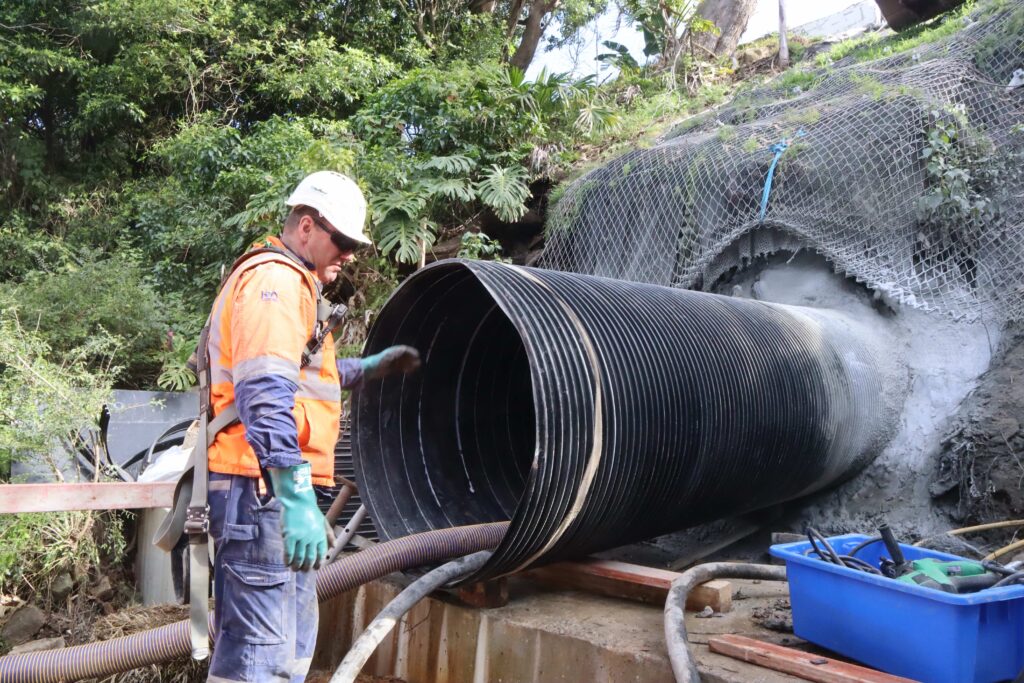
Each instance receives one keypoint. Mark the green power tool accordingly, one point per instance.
(951, 576)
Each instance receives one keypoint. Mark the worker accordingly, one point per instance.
(269, 535)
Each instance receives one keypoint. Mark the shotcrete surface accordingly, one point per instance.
(940, 361)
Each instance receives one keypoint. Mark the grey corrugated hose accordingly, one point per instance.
(382, 624)
(683, 667)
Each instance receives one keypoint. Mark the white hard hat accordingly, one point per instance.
(338, 199)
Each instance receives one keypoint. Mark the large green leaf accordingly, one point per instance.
(505, 191)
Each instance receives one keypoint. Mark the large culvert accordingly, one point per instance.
(594, 412)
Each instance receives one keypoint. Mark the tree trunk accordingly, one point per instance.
(731, 17)
(482, 6)
(532, 35)
(783, 45)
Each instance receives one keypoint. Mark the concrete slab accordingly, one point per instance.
(542, 635)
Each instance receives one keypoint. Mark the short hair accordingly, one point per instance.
(296, 214)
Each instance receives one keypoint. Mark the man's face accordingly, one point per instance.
(324, 253)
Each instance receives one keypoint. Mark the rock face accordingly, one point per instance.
(62, 587)
(104, 590)
(40, 645)
(23, 625)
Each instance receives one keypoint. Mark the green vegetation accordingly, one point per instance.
(44, 400)
(146, 144)
(878, 45)
(39, 547)
(476, 245)
(796, 78)
(966, 193)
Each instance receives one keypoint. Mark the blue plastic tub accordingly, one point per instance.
(903, 629)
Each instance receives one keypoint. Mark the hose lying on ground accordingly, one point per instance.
(117, 655)
(382, 624)
(675, 604)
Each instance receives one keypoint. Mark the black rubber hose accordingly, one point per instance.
(118, 655)
(683, 667)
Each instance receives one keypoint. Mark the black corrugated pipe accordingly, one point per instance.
(593, 412)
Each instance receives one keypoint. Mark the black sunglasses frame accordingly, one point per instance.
(344, 244)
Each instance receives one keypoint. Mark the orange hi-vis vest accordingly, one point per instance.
(261, 321)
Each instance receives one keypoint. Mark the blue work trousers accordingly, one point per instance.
(265, 617)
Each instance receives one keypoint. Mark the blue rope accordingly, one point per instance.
(778, 148)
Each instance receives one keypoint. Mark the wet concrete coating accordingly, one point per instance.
(937, 359)
(548, 635)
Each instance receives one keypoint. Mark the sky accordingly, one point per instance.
(611, 26)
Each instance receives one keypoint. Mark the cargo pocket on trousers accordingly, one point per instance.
(254, 603)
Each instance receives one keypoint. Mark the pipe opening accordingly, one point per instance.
(464, 425)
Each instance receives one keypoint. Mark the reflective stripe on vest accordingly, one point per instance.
(317, 401)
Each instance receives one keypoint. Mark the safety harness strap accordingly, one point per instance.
(197, 519)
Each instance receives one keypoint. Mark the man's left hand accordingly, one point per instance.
(392, 360)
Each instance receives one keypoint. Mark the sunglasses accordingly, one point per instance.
(344, 244)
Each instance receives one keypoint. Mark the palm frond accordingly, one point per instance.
(400, 201)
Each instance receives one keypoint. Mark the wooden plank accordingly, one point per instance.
(58, 497)
(806, 665)
(631, 581)
(485, 594)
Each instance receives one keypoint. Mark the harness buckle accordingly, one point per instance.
(197, 522)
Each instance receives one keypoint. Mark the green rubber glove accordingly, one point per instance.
(302, 523)
(393, 359)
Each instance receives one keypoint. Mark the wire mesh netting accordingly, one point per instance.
(904, 171)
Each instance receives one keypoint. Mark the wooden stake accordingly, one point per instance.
(783, 45)
(485, 594)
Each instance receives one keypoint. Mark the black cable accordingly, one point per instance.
(1016, 577)
(827, 553)
(998, 568)
(863, 544)
(813, 535)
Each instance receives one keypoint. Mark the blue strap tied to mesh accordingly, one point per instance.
(778, 148)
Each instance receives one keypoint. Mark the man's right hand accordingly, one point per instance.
(302, 523)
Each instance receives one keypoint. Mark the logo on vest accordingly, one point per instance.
(268, 295)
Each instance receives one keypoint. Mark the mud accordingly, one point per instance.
(979, 474)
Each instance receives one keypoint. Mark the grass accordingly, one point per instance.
(803, 117)
(798, 78)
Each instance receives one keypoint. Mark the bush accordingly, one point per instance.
(96, 299)
(43, 401)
